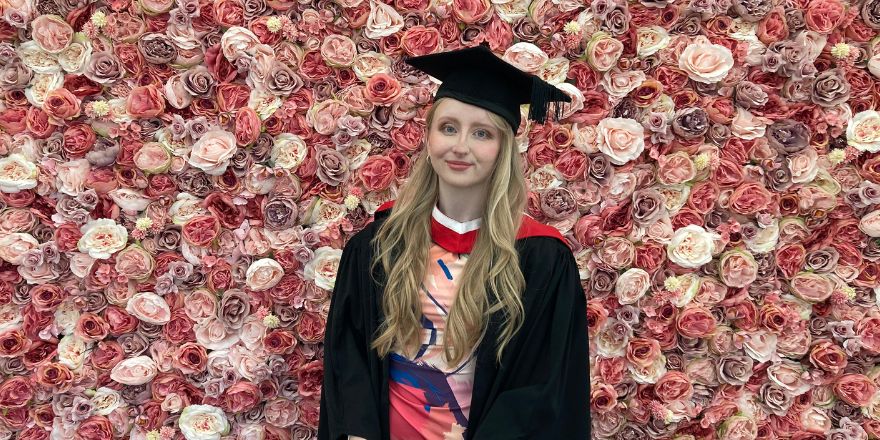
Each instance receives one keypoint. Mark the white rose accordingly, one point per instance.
(72, 351)
(870, 224)
(368, 64)
(185, 208)
(36, 58)
(619, 83)
(203, 422)
(237, 42)
(13, 246)
(765, 240)
(211, 153)
(383, 21)
(17, 173)
(73, 57)
(102, 238)
(691, 246)
(705, 62)
(130, 200)
(106, 400)
(747, 126)
(67, 315)
(554, 71)
(135, 371)
(863, 131)
(40, 86)
(288, 151)
(322, 268)
(621, 139)
(632, 285)
(263, 274)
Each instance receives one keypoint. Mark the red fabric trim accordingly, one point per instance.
(463, 243)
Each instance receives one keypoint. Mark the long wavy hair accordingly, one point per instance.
(402, 242)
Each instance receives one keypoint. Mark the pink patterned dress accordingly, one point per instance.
(430, 399)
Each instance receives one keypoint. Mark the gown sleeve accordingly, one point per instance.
(348, 392)
(543, 382)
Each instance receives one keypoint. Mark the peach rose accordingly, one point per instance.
(674, 386)
(526, 56)
(62, 104)
(382, 89)
(632, 285)
(153, 158)
(675, 168)
(338, 50)
(13, 246)
(603, 51)
(855, 389)
(263, 274)
(812, 287)
(738, 268)
(705, 62)
(695, 322)
(383, 21)
(621, 139)
(211, 153)
(145, 102)
(135, 263)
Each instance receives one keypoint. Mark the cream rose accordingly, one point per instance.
(383, 21)
(149, 307)
(322, 268)
(368, 64)
(526, 56)
(691, 246)
(135, 371)
(651, 39)
(72, 351)
(106, 400)
(203, 422)
(705, 62)
(102, 238)
(619, 83)
(153, 158)
(13, 246)
(869, 224)
(863, 131)
(17, 173)
(237, 42)
(211, 153)
(621, 139)
(747, 126)
(603, 51)
(288, 151)
(632, 285)
(264, 274)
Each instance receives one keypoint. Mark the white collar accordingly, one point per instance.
(453, 224)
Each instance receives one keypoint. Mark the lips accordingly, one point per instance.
(458, 164)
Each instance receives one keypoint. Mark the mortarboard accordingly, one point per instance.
(478, 77)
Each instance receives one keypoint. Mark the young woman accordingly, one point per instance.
(454, 316)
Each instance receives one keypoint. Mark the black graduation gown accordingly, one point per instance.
(541, 389)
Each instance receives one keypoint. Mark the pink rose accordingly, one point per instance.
(616, 252)
(812, 287)
(603, 51)
(868, 331)
(241, 397)
(823, 16)
(201, 305)
(377, 172)
(51, 32)
(338, 50)
(675, 168)
(471, 11)
(94, 428)
(15, 392)
(149, 307)
(134, 371)
(211, 153)
(621, 139)
(323, 115)
(421, 40)
(674, 386)
(705, 62)
(738, 268)
(145, 102)
(281, 412)
(247, 126)
(749, 198)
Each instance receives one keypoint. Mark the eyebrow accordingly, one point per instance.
(478, 124)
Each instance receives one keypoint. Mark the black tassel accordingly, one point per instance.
(540, 100)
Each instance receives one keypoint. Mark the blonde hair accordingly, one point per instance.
(405, 236)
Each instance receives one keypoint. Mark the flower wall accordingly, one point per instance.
(178, 179)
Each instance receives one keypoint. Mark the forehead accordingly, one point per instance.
(462, 112)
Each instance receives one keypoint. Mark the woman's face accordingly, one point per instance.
(463, 133)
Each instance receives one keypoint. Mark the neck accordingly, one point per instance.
(461, 205)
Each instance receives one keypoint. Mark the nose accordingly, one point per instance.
(461, 147)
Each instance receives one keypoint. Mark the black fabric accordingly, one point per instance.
(540, 391)
(478, 77)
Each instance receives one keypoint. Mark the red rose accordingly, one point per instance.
(279, 342)
(191, 358)
(106, 355)
(672, 78)
(310, 376)
(585, 78)
(91, 327)
(161, 185)
(650, 256)
(13, 343)
(313, 67)
(868, 331)
(66, 236)
(35, 320)
(80, 85)
(21, 199)
(54, 376)
(571, 164)
(79, 139)
(224, 209)
(588, 230)
(260, 28)
(703, 196)
(288, 289)
(597, 106)
(420, 40)
(225, 73)
(382, 89)
(34, 433)
(38, 352)
(617, 220)
(145, 102)
(686, 217)
(376, 173)
(94, 428)
(201, 230)
(242, 396)
(220, 278)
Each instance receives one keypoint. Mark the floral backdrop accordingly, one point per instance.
(178, 179)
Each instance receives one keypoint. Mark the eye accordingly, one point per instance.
(443, 129)
(484, 134)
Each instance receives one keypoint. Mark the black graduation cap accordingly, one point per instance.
(478, 77)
